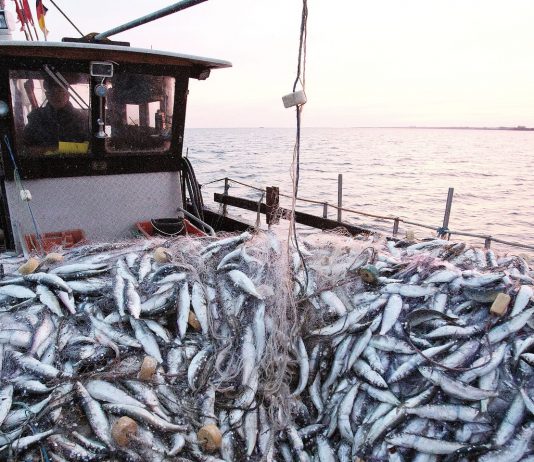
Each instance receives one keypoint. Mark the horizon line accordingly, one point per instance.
(466, 127)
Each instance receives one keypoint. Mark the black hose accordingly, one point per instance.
(196, 186)
(194, 192)
(193, 189)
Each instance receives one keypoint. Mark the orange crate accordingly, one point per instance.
(63, 239)
(190, 228)
(147, 230)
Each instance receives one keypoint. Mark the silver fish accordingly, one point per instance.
(454, 388)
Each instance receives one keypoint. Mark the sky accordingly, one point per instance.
(368, 63)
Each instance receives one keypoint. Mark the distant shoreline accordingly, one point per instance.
(516, 129)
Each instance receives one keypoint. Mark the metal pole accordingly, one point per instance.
(149, 17)
(395, 226)
(325, 210)
(448, 209)
(339, 196)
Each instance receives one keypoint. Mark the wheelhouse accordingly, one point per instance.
(111, 156)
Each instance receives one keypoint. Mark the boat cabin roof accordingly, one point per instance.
(97, 51)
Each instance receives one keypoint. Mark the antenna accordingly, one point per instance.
(150, 17)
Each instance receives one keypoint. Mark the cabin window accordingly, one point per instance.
(51, 112)
(139, 113)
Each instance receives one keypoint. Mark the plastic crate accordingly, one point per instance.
(147, 229)
(54, 239)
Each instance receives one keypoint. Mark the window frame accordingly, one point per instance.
(19, 129)
(98, 160)
(120, 152)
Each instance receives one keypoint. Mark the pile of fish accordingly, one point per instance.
(237, 349)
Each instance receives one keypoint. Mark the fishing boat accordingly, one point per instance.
(124, 166)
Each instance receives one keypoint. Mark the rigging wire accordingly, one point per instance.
(295, 165)
(57, 77)
(67, 18)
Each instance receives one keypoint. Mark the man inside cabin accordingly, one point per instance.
(58, 120)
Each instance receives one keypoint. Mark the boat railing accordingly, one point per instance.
(266, 207)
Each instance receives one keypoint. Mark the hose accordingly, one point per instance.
(193, 189)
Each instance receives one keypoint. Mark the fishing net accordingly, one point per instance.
(261, 340)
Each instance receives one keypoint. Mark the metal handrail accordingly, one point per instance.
(198, 220)
(444, 231)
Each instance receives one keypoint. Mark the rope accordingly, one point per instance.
(20, 185)
(216, 181)
(295, 166)
(251, 187)
(302, 47)
(494, 239)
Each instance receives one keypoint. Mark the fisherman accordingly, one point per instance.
(57, 121)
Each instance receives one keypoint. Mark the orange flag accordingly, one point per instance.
(41, 11)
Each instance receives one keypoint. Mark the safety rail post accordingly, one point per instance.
(396, 226)
(487, 242)
(339, 196)
(447, 215)
(272, 202)
(226, 189)
(325, 210)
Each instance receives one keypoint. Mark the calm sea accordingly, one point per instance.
(398, 172)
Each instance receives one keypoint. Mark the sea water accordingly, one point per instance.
(399, 172)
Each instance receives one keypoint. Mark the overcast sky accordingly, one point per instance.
(369, 63)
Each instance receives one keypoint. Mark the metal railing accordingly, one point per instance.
(442, 231)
